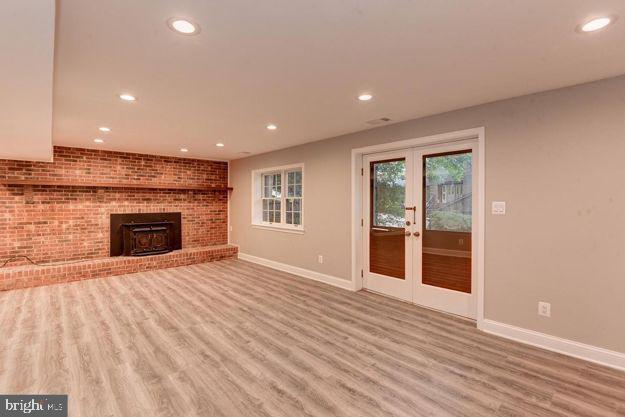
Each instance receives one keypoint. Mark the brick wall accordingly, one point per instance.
(59, 223)
(90, 165)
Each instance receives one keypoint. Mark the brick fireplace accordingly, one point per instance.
(61, 211)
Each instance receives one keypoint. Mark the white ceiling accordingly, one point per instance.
(301, 64)
(26, 64)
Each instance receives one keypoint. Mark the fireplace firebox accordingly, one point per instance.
(142, 234)
(142, 239)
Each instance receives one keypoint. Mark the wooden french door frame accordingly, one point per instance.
(476, 137)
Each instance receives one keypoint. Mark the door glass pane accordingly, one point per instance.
(447, 220)
(389, 191)
(387, 212)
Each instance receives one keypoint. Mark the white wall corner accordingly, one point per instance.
(27, 33)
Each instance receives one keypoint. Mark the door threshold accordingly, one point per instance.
(387, 296)
(470, 320)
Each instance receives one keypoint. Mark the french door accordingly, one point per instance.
(418, 226)
(387, 187)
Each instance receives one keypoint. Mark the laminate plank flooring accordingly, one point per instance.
(231, 338)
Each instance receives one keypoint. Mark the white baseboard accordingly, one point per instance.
(568, 347)
(306, 273)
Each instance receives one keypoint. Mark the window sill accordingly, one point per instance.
(279, 228)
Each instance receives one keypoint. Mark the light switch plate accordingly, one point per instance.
(499, 207)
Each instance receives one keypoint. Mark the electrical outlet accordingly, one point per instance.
(320, 259)
(544, 309)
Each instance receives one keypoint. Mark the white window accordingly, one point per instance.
(272, 197)
(278, 198)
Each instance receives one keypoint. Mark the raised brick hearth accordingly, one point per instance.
(60, 223)
(33, 276)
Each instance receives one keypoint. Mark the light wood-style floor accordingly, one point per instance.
(234, 339)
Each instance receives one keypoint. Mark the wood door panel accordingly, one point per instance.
(450, 272)
(387, 254)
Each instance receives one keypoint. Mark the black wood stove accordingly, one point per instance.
(142, 234)
(142, 239)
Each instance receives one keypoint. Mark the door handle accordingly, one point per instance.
(407, 234)
(414, 213)
(417, 234)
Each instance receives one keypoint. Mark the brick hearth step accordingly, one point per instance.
(33, 276)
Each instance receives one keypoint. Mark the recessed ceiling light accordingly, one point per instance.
(184, 150)
(220, 145)
(127, 97)
(104, 129)
(98, 140)
(183, 26)
(271, 126)
(365, 97)
(596, 24)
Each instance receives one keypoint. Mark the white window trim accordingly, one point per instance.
(257, 207)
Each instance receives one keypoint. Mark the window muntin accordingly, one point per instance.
(272, 197)
(294, 197)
